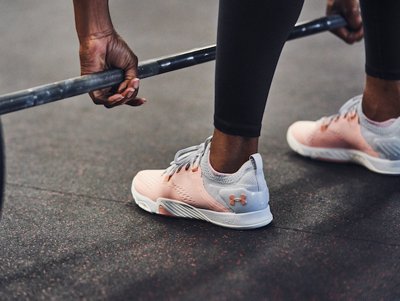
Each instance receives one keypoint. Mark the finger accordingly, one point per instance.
(99, 96)
(122, 86)
(115, 100)
(118, 99)
(356, 36)
(136, 102)
(130, 93)
(132, 89)
(353, 18)
(344, 34)
(348, 36)
(126, 87)
(110, 105)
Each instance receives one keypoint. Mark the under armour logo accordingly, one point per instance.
(233, 199)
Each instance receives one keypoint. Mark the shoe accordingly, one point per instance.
(191, 188)
(349, 136)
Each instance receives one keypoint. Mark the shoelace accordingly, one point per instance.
(349, 109)
(189, 157)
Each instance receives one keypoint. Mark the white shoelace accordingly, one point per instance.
(348, 109)
(189, 157)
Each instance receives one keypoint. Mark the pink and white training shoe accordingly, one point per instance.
(191, 188)
(350, 136)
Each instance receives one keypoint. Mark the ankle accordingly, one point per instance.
(228, 153)
(381, 99)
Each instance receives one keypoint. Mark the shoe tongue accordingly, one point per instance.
(355, 101)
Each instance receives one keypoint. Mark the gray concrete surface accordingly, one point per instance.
(70, 229)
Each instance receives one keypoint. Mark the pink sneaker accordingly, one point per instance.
(349, 137)
(191, 188)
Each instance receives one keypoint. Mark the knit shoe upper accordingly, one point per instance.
(349, 137)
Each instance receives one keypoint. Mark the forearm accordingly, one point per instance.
(92, 18)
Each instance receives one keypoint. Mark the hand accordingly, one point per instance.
(350, 10)
(107, 51)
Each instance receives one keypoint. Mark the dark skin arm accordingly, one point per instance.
(350, 10)
(101, 48)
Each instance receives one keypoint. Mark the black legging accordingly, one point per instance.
(251, 34)
(381, 19)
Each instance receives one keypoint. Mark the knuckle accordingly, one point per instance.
(352, 12)
(96, 100)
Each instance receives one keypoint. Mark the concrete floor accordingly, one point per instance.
(70, 229)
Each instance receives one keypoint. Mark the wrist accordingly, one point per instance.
(92, 19)
(96, 35)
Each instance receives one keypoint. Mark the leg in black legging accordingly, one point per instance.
(251, 34)
(381, 21)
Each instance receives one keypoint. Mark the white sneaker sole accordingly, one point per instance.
(378, 165)
(250, 220)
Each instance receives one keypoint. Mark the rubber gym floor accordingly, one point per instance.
(70, 229)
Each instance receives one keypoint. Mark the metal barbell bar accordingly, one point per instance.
(83, 84)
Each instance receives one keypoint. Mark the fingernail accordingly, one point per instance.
(129, 95)
(136, 83)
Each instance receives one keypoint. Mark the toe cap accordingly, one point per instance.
(302, 131)
(148, 182)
